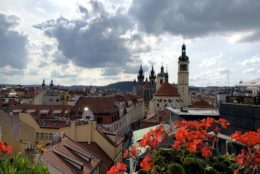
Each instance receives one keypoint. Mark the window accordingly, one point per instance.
(161, 81)
(46, 136)
(158, 104)
(42, 136)
(57, 100)
(50, 136)
(99, 120)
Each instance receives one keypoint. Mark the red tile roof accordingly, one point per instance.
(167, 90)
(155, 119)
(26, 107)
(107, 162)
(201, 104)
(63, 154)
(97, 104)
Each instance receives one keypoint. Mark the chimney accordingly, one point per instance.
(56, 138)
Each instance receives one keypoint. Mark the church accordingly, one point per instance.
(158, 93)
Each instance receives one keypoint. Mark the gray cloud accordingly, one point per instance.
(13, 50)
(58, 74)
(95, 41)
(129, 69)
(198, 17)
(8, 70)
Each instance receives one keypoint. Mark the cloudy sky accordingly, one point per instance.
(99, 42)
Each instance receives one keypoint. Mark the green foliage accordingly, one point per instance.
(168, 160)
(175, 168)
(19, 165)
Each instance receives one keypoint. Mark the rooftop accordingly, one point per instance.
(167, 90)
(194, 111)
(69, 157)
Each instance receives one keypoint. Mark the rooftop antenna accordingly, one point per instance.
(228, 77)
(183, 39)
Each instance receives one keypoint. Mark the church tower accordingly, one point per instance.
(183, 77)
(152, 77)
(140, 76)
(161, 78)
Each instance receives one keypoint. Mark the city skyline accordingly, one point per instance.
(102, 42)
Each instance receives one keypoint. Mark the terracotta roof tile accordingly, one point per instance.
(167, 90)
(201, 104)
(97, 104)
(25, 107)
(59, 155)
(107, 161)
(155, 119)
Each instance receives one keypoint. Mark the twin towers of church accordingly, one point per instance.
(146, 88)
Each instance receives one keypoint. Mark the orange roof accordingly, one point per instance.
(100, 153)
(167, 90)
(155, 119)
(97, 104)
(69, 157)
(202, 104)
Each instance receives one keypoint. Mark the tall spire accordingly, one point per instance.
(140, 76)
(166, 74)
(51, 85)
(183, 49)
(43, 83)
(152, 75)
(141, 70)
(183, 56)
(162, 68)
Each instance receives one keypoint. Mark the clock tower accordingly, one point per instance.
(183, 77)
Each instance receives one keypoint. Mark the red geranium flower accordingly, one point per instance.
(118, 168)
(146, 163)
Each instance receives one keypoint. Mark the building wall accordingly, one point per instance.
(27, 101)
(38, 99)
(242, 117)
(183, 83)
(16, 133)
(159, 81)
(138, 111)
(160, 102)
(51, 100)
(79, 133)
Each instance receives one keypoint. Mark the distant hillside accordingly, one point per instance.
(122, 86)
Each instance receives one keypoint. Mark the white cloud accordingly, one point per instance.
(252, 61)
(250, 70)
(212, 61)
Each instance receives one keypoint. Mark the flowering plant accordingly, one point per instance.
(194, 150)
(249, 158)
(17, 164)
